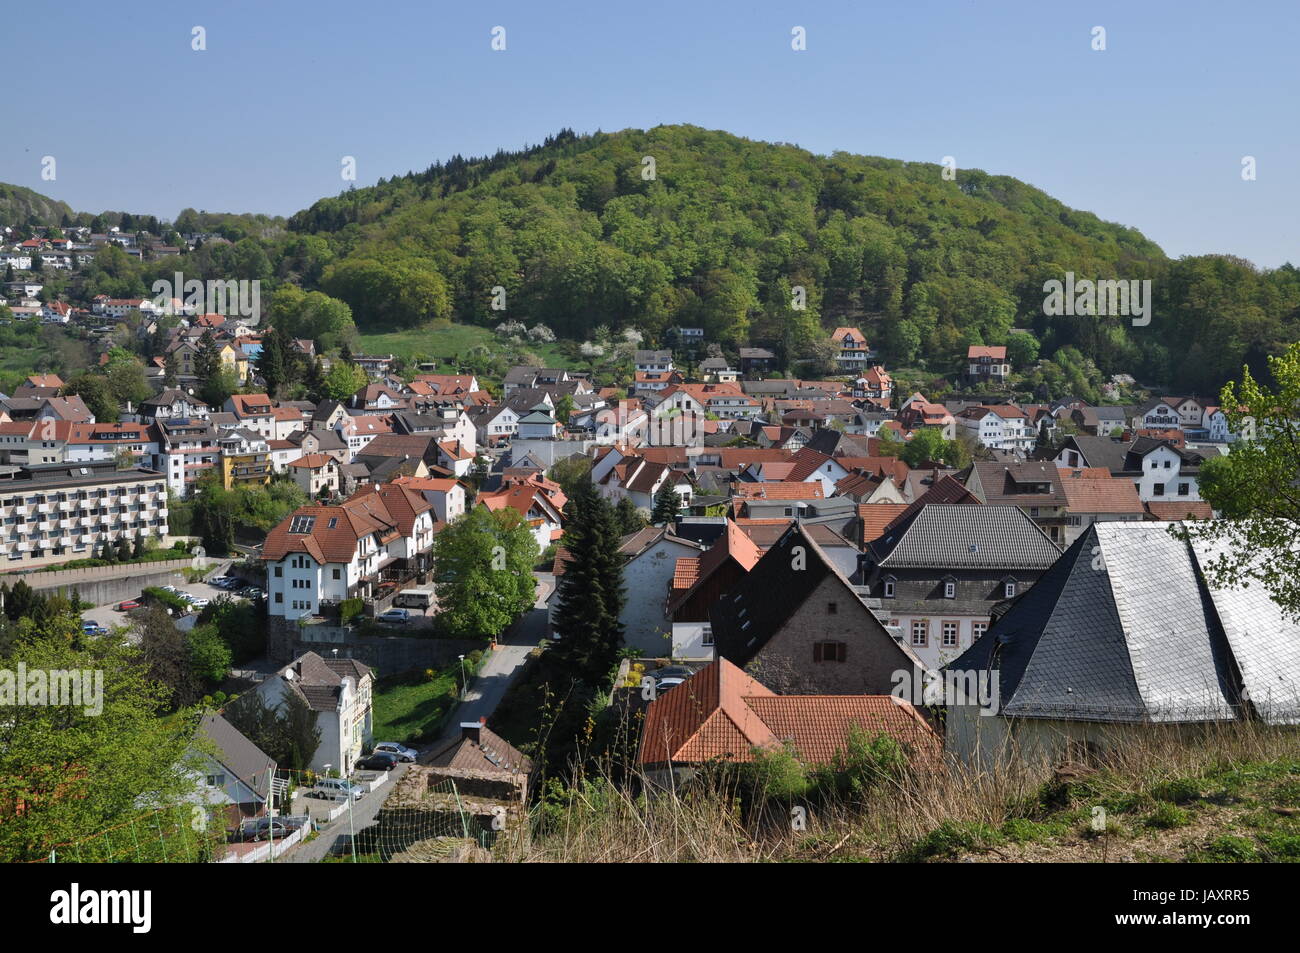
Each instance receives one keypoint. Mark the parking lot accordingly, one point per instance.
(109, 616)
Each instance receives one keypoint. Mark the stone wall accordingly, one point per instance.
(285, 641)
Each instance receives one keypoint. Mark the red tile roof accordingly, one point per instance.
(875, 517)
(722, 713)
(1188, 510)
(1090, 491)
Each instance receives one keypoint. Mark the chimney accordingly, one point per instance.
(471, 730)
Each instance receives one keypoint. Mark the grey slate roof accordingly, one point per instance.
(1099, 451)
(957, 536)
(245, 760)
(747, 618)
(1124, 629)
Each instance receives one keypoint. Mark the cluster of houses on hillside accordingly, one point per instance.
(806, 574)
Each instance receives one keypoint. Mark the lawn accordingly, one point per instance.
(439, 343)
(410, 708)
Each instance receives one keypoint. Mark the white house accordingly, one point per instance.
(339, 691)
(651, 558)
(331, 553)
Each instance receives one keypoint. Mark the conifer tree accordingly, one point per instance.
(591, 589)
(666, 504)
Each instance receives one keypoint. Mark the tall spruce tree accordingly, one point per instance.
(667, 502)
(591, 590)
(272, 362)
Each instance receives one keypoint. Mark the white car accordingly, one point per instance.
(199, 603)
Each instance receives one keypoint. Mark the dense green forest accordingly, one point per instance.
(582, 233)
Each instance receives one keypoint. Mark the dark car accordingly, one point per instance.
(671, 671)
(379, 761)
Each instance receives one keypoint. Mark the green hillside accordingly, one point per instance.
(584, 235)
(580, 237)
(19, 206)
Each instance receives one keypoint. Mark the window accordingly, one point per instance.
(889, 588)
(920, 631)
(1166, 464)
(950, 590)
(707, 634)
(279, 571)
(1009, 589)
(336, 574)
(977, 629)
(830, 651)
(279, 597)
(950, 633)
(832, 608)
(1158, 489)
(1184, 489)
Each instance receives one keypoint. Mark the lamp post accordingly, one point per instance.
(462, 677)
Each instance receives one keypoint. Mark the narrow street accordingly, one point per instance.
(485, 693)
(500, 670)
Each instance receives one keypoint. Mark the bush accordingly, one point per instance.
(349, 609)
(1167, 816)
(168, 599)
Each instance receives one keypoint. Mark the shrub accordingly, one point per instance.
(349, 609)
(952, 838)
(1167, 816)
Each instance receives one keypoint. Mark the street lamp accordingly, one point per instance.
(462, 676)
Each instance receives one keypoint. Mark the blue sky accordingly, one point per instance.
(1151, 132)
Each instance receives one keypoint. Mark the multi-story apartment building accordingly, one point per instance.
(187, 449)
(245, 458)
(999, 426)
(331, 553)
(51, 513)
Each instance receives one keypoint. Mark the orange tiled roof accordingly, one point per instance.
(1088, 492)
(875, 517)
(722, 713)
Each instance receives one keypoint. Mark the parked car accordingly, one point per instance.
(671, 671)
(199, 603)
(261, 828)
(128, 605)
(392, 747)
(663, 684)
(395, 616)
(338, 789)
(379, 761)
(93, 628)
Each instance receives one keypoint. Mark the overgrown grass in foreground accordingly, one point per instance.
(1229, 793)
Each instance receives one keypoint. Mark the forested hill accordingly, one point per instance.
(19, 205)
(679, 225)
(580, 234)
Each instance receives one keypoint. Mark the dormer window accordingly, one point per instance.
(1009, 588)
(949, 589)
(889, 587)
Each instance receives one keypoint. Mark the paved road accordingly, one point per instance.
(484, 695)
(501, 669)
(364, 813)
